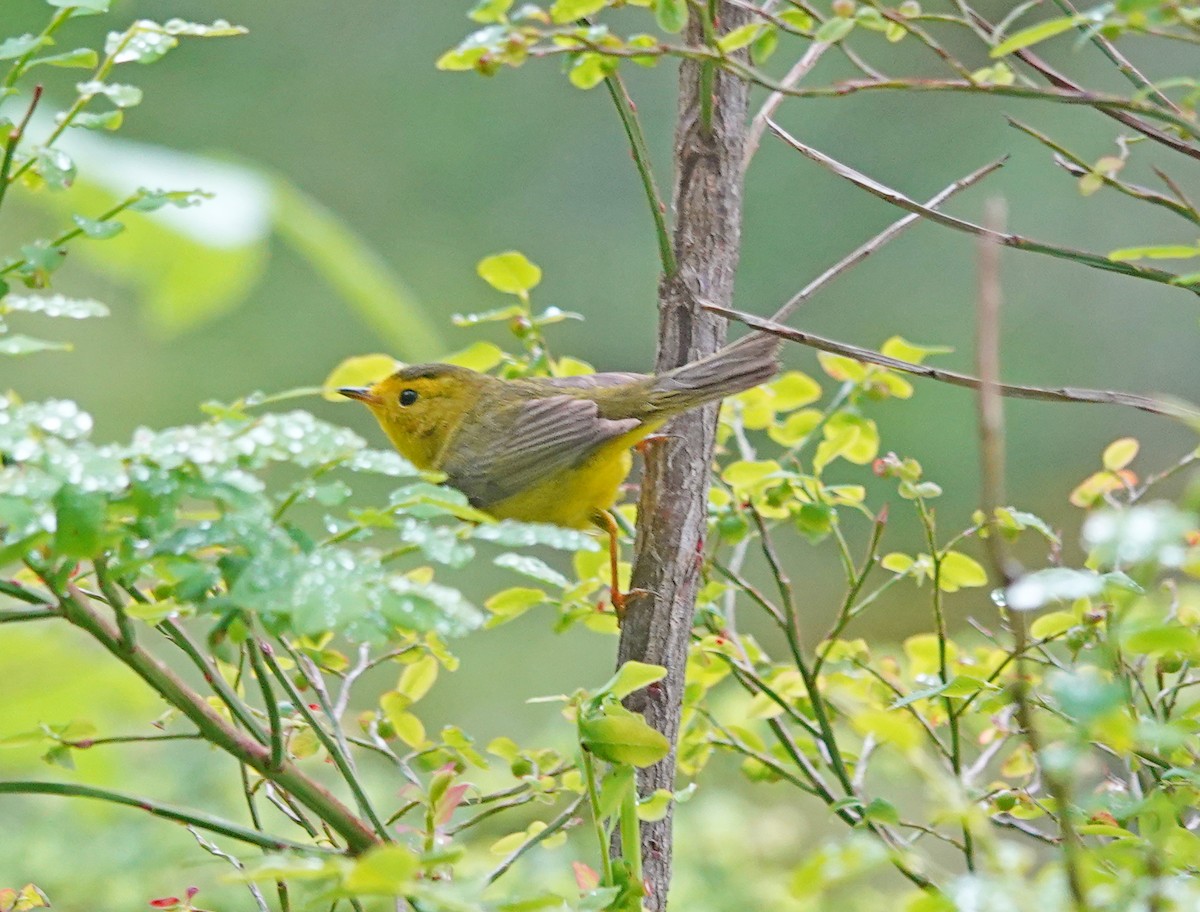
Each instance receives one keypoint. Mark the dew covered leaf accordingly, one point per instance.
(28, 345)
(55, 305)
(513, 534)
(532, 567)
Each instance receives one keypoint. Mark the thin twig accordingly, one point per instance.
(158, 809)
(991, 407)
(896, 198)
(1119, 60)
(888, 234)
(215, 850)
(627, 111)
(1062, 83)
(558, 823)
(343, 698)
(28, 614)
(1171, 409)
(330, 743)
(78, 609)
(212, 676)
(274, 723)
(1077, 167)
(991, 448)
(14, 139)
(799, 70)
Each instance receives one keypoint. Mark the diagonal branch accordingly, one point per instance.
(78, 609)
(1062, 83)
(758, 125)
(627, 111)
(1077, 167)
(1182, 410)
(896, 198)
(860, 253)
(167, 812)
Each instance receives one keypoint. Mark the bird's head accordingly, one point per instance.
(419, 406)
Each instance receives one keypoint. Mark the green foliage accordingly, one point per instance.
(254, 549)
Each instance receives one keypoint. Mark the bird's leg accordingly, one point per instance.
(620, 600)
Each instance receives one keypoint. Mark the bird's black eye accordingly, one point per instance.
(408, 397)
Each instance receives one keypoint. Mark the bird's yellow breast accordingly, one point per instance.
(574, 497)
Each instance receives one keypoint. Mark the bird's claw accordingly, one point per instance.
(621, 600)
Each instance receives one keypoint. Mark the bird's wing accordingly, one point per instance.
(592, 381)
(546, 436)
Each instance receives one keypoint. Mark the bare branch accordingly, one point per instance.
(888, 234)
(759, 124)
(1077, 167)
(1172, 409)
(896, 198)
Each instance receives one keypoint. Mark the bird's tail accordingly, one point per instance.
(738, 366)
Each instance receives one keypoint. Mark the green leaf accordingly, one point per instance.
(220, 28)
(1036, 33)
(20, 45)
(570, 10)
(1086, 694)
(512, 534)
(900, 348)
(509, 272)
(358, 370)
(1052, 624)
(509, 603)
(417, 678)
(79, 522)
(655, 805)
(27, 345)
(630, 677)
(959, 572)
(407, 726)
(98, 231)
(622, 738)
(1041, 587)
(739, 38)
(744, 476)
(487, 11)
(1119, 453)
(84, 58)
(897, 562)
(589, 71)
(797, 19)
(834, 30)
(881, 811)
(793, 390)
(388, 870)
(56, 168)
(1156, 252)
(82, 7)
(478, 356)
(123, 96)
(672, 15)
(143, 42)
(532, 567)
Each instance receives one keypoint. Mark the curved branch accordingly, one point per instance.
(167, 812)
(896, 198)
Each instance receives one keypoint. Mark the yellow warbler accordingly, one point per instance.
(549, 449)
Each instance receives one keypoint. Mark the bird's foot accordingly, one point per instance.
(647, 443)
(621, 600)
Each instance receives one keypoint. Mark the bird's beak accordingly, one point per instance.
(362, 393)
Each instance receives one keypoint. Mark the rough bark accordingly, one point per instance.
(707, 200)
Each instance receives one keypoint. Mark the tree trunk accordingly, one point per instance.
(707, 199)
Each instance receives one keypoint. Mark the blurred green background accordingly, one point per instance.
(437, 170)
